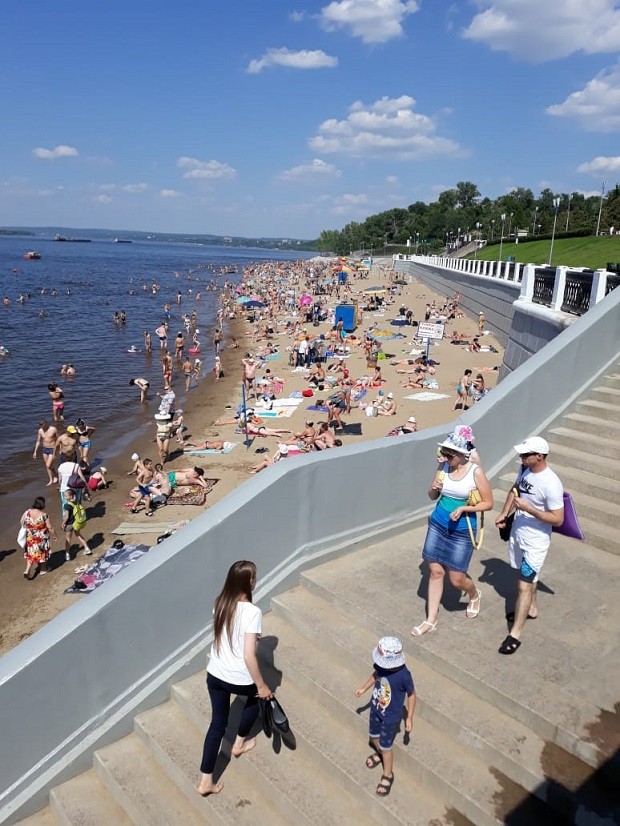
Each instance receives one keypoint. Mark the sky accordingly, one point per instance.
(283, 118)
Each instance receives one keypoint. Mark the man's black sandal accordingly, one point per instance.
(510, 645)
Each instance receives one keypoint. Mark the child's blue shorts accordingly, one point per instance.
(379, 730)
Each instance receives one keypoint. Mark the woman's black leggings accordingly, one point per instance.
(220, 693)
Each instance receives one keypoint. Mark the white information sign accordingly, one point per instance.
(428, 329)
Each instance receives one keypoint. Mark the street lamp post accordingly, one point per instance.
(509, 224)
(478, 225)
(417, 241)
(534, 221)
(600, 209)
(492, 229)
(568, 212)
(556, 204)
(501, 240)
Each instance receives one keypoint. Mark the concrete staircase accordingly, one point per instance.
(526, 739)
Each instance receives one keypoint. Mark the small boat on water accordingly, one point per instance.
(231, 269)
(72, 240)
(32, 255)
(122, 241)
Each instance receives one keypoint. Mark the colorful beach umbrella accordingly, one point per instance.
(243, 299)
(374, 290)
(252, 304)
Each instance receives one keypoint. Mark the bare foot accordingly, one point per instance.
(207, 789)
(247, 745)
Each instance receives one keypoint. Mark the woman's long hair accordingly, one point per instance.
(239, 582)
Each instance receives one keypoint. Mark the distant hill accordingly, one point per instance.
(586, 251)
(163, 237)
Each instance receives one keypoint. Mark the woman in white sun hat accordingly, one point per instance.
(448, 545)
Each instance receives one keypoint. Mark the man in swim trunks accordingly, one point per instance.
(162, 334)
(66, 443)
(143, 488)
(58, 402)
(187, 477)
(46, 437)
(249, 373)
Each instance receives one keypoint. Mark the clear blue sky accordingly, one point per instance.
(282, 118)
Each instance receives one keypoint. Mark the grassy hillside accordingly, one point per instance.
(590, 252)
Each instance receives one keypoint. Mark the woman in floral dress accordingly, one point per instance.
(38, 530)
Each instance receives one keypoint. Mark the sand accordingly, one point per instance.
(27, 606)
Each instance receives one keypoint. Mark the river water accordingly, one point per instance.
(92, 281)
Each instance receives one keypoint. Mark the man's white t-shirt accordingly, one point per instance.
(227, 662)
(545, 492)
(65, 472)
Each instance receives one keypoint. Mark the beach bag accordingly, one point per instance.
(75, 480)
(476, 538)
(274, 717)
(21, 536)
(79, 515)
(504, 533)
(570, 526)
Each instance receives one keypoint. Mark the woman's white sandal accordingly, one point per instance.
(472, 612)
(418, 632)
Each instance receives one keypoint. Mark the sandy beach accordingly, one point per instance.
(27, 605)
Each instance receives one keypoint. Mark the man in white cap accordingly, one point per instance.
(538, 497)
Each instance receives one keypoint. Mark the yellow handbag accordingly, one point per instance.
(476, 539)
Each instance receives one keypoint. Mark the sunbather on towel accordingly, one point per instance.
(208, 444)
(186, 477)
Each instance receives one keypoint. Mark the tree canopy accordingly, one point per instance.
(463, 214)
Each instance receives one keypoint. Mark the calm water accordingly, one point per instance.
(78, 328)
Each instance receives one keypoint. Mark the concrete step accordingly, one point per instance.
(600, 535)
(604, 428)
(140, 786)
(458, 758)
(43, 818)
(85, 800)
(605, 393)
(583, 459)
(283, 776)
(466, 651)
(176, 745)
(602, 410)
(575, 481)
(576, 439)
(611, 379)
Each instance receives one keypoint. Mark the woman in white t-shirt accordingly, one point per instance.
(233, 669)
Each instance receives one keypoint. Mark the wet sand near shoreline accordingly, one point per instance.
(27, 606)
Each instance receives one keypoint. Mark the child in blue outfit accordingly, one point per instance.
(391, 681)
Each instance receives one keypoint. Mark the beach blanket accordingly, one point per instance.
(191, 494)
(113, 561)
(271, 357)
(317, 408)
(353, 429)
(358, 395)
(427, 396)
(149, 526)
(282, 413)
(296, 394)
(290, 401)
(228, 447)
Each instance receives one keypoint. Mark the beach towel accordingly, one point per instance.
(150, 526)
(317, 408)
(113, 561)
(427, 396)
(282, 413)
(288, 401)
(358, 395)
(296, 394)
(228, 447)
(191, 494)
(353, 429)
(272, 357)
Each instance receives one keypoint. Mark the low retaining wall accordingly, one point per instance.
(78, 682)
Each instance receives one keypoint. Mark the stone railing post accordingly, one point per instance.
(559, 286)
(527, 284)
(599, 285)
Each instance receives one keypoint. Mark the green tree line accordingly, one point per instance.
(461, 214)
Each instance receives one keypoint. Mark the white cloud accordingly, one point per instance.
(388, 127)
(374, 21)
(597, 106)
(392, 180)
(58, 152)
(102, 199)
(296, 16)
(537, 32)
(135, 187)
(169, 193)
(317, 170)
(601, 165)
(591, 193)
(292, 60)
(107, 187)
(211, 170)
